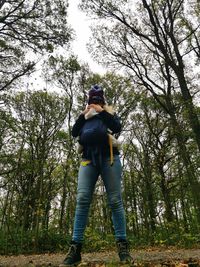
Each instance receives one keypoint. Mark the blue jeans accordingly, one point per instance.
(87, 178)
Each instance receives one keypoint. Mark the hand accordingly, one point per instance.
(97, 107)
(86, 110)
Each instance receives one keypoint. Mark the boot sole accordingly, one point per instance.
(70, 265)
(130, 263)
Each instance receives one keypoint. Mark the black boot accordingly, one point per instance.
(73, 257)
(123, 251)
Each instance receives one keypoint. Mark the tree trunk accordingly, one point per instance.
(149, 191)
(166, 196)
(189, 106)
(191, 177)
(63, 202)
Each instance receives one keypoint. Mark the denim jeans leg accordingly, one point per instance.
(87, 178)
(111, 176)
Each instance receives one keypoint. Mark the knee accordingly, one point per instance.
(83, 199)
(115, 202)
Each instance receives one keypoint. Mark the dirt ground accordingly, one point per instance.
(164, 257)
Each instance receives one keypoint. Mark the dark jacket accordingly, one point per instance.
(111, 121)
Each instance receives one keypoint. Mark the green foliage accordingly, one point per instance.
(39, 167)
(154, 99)
(52, 241)
(94, 241)
(17, 241)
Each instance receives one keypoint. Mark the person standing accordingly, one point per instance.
(100, 157)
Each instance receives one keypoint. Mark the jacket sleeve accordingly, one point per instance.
(111, 121)
(78, 125)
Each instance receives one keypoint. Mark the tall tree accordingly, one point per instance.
(38, 119)
(150, 44)
(150, 34)
(63, 73)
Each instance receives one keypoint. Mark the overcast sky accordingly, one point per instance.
(80, 23)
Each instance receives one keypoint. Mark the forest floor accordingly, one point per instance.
(159, 257)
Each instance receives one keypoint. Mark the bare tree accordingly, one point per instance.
(27, 29)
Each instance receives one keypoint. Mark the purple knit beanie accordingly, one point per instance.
(96, 95)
